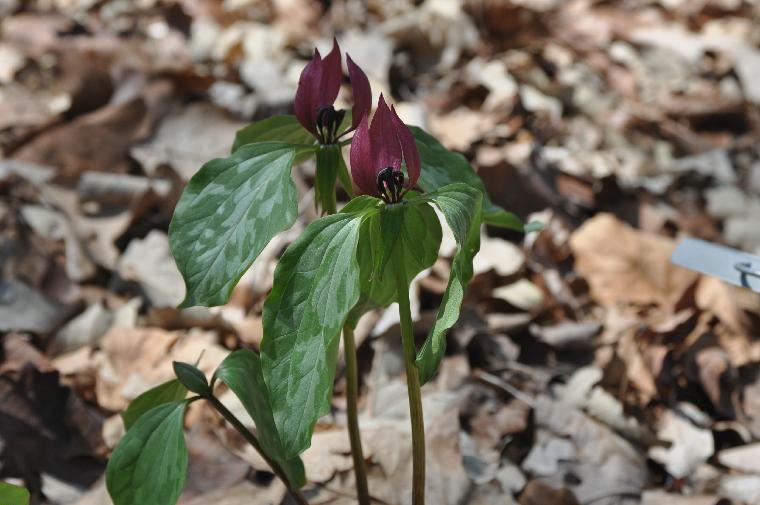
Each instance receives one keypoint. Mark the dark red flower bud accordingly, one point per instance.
(318, 88)
(377, 152)
(361, 92)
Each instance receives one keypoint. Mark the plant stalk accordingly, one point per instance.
(412, 382)
(330, 162)
(251, 439)
(328, 165)
(352, 410)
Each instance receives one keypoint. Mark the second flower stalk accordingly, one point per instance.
(385, 164)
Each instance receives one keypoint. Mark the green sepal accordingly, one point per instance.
(412, 224)
(391, 228)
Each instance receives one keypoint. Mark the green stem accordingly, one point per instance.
(331, 166)
(352, 410)
(328, 164)
(412, 381)
(251, 439)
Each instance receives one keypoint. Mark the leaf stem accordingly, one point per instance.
(251, 439)
(352, 395)
(412, 381)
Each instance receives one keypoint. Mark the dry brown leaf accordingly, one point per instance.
(623, 265)
(538, 493)
(460, 128)
(745, 458)
(663, 498)
(715, 296)
(603, 463)
(245, 493)
(26, 111)
(188, 138)
(98, 141)
(690, 445)
(23, 308)
(134, 360)
(149, 262)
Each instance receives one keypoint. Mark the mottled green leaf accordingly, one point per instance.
(417, 226)
(168, 392)
(13, 495)
(316, 283)
(150, 463)
(228, 212)
(441, 167)
(241, 371)
(283, 128)
(460, 204)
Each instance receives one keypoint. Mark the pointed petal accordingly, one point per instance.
(386, 151)
(332, 75)
(361, 91)
(408, 149)
(305, 103)
(362, 170)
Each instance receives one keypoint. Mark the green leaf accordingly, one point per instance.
(192, 378)
(150, 463)
(13, 495)
(500, 217)
(441, 167)
(461, 206)
(534, 226)
(241, 371)
(285, 129)
(316, 283)
(168, 392)
(417, 226)
(228, 212)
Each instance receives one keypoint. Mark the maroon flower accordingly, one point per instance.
(318, 88)
(377, 151)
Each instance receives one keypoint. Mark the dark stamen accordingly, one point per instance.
(390, 184)
(328, 122)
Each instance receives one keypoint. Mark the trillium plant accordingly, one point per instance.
(346, 263)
